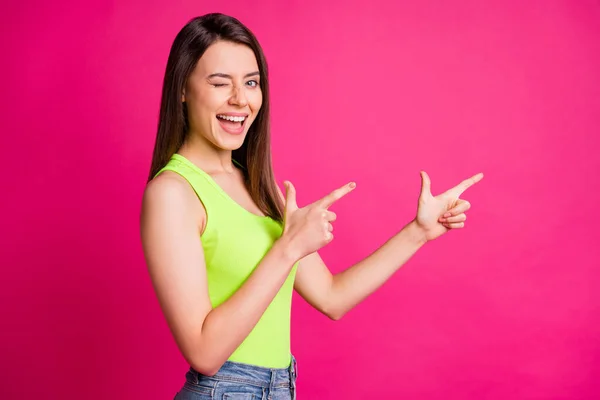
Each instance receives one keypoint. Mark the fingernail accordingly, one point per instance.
(447, 215)
(352, 185)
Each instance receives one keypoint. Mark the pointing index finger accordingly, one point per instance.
(337, 194)
(467, 183)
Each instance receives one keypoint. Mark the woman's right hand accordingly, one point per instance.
(309, 228)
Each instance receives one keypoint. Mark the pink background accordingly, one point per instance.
(507, 308)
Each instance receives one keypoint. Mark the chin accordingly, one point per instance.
(232, 143)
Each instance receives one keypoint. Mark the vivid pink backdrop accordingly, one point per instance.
(507, 308)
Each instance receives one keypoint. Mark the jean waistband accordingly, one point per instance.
(252, 375)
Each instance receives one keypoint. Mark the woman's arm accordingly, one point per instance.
(171, 221)
(335, 295)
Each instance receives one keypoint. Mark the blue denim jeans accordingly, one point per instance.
(237, 381)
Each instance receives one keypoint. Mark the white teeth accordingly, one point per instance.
(231, 118)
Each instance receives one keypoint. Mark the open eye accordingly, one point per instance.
(252, 83)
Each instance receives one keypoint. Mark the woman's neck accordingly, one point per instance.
(207, 156)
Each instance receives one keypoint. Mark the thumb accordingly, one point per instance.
(425, 184)
(290, 197)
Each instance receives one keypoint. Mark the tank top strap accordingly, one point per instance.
(200, 181)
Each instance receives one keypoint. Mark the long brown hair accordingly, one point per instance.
(255, 153)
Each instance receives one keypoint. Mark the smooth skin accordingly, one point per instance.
(172, 220)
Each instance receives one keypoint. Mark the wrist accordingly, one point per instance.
(286, 251)
(416, 233)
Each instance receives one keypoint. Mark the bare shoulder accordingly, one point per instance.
(167, 188)
(170, 195)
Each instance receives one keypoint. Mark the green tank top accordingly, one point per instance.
(234, 242)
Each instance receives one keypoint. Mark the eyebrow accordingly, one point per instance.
(220, 75)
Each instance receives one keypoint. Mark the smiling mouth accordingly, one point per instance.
(236, 121)
(232, 124)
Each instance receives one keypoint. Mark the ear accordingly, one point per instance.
(183, 96)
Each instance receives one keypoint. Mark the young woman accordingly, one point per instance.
(224, 247)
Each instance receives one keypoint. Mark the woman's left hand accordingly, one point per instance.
(437, 215)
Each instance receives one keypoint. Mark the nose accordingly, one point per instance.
(238, 97)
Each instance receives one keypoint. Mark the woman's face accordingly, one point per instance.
(223, 94)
